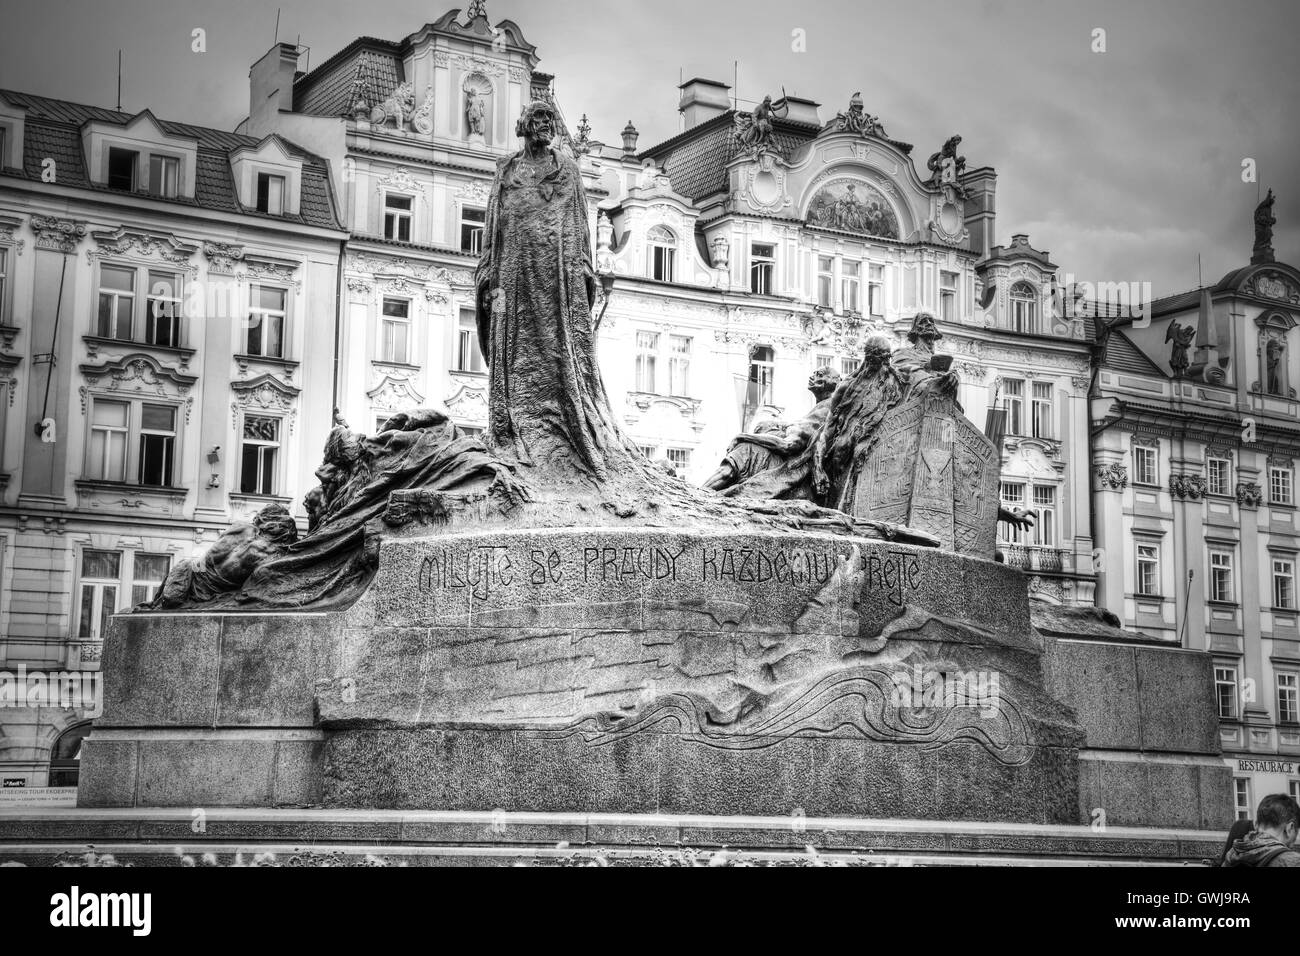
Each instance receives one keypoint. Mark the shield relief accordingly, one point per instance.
(933, 470)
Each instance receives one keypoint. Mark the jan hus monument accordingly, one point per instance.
(543, 620)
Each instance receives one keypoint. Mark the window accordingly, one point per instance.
(762, 368)
(1014, 402)
(850, 278)
(121, 168)
(116, 302)
(150, 572)
(164, 176)
(100, 571)
(163, 314)
(4, 274)
(1148, 569)
(826, 282)
(1279, 485)
(1293, 788)
(65, 756)
(1013, 496)
(1219, 474)
(395, 331)
(469, 357)
(1288, 698)
(1146, 465)
(1042, 409)
(663, 253)
(680, 458)
(1284, 583)
(397, 217)
(270, 194)
(647, 450)
(258, 455)
(1241, 795)
(876, 289)
(472, 224)
(109, 430)
(679, 365)
(117, 427)
(647, 349)
(762, 266)
(948, 296)
(157, 445)
(1044, 530)
(823, 361)
(1225, 692)
(1221, 588)
(1024, 308)
(265, 332)
(848, 366)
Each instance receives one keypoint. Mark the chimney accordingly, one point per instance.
(800, 110)
(270, 88)
(630, 135)
(702, 100)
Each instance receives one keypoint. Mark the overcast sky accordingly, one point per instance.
(1124, 164)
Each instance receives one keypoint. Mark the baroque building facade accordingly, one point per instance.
(1196, 436)
(166, 342)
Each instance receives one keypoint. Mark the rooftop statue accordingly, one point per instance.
(858, 120)
(946, 168)
(754, 129)
(1264, 223)
(1181, 336)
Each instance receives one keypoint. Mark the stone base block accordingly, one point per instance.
(486, 769)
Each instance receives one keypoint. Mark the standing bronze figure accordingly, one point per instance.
(535, 286)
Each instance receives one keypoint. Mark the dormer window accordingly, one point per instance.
(1024, 308)
(663, 253)
(164, 176)
(270, 194)
(121, 168)
(397, 217)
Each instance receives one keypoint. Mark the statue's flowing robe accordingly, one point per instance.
(858, 407)
(547, 405)
(334, 564)
(786, 478)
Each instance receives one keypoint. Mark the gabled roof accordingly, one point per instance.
(1123, 356)
(53, 130)
(696, 159)
(328, 89)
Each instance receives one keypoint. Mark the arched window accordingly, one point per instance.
(663, 253)
(65, 758)
(1024, 308)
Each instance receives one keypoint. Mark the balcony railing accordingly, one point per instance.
(1031, 557)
